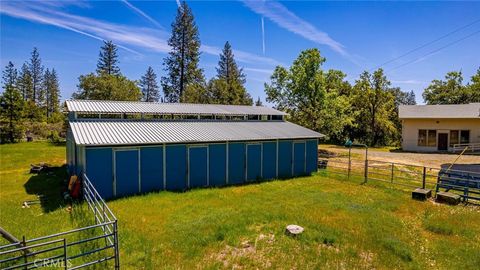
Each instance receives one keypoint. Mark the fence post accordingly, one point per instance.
(349, 161)
(65, 264)
(391, 177)
(25, 258)
(366, 171)
(115, 233)
(424, 176)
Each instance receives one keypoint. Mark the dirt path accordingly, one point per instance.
(434, 160)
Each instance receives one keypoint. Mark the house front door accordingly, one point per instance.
(442, 141)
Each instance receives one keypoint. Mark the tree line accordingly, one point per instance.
(323, 100)
(30, 101)
(365, 111)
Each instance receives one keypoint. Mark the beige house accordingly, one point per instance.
(431, 128)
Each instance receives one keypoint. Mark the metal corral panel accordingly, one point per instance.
(128, 132)
(236, 163)
(217, 164)
(254, 162)
(284, 159)
(299, 158)
(97, 106)
(269, 160)
(176, 167)
(151, 160)
(126, 172)
(197, 166)
(312, 156)
(99, 170)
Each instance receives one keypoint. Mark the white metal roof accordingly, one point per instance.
(129, 132)
(101, 106)
(455, 111)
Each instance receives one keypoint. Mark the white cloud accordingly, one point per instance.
(260, 70)
(407, 82)
(143, 14)
(286, 19)
(123, 35)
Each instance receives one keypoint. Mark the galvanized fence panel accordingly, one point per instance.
(464, 183)
(74, 249)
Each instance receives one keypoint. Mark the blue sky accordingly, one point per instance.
(353, 36)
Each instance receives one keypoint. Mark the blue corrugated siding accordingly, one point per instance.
(152, 168)
(99, 170)
(312, 156)
(176, 171)
(217, 163)
(284, 159)
(254, 162)
(299, 158)
(269, 160)
(198, 166)
(126, 172)
(236, 163)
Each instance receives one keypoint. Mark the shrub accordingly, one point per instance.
(54, 137)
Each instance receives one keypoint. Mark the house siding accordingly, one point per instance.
(410, 128)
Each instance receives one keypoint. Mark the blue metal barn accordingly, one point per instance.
(135, 147)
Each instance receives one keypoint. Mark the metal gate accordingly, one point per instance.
(74, 249)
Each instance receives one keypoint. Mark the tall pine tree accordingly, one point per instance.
(52, 90)
(229, 87)
(108, 83)
(36, 71)
(258, 103)
(227, 67)
(149, 86)
(25, 83)
(108, 59)
(11, 105)
(182, 61)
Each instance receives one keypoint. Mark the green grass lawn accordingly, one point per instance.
(18, 185)
(347, 225)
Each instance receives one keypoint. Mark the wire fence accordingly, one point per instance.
(87, 246)
(464, 183)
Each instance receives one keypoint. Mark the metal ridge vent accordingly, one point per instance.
(119, 107)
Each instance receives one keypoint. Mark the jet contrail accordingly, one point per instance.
(263, 36)
(143, 14)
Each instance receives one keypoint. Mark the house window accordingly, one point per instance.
(453, 137)
(432, 138)
(422, 137)
(464, 136)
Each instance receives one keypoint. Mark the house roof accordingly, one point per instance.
(129, 132)
(453, 111)
(118, 107)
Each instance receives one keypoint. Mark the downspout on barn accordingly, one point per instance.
(135, 147)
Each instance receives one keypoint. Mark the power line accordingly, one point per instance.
(426, 44)
(435, 51)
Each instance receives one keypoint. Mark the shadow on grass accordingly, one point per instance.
(59, 143)
(48, 186)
